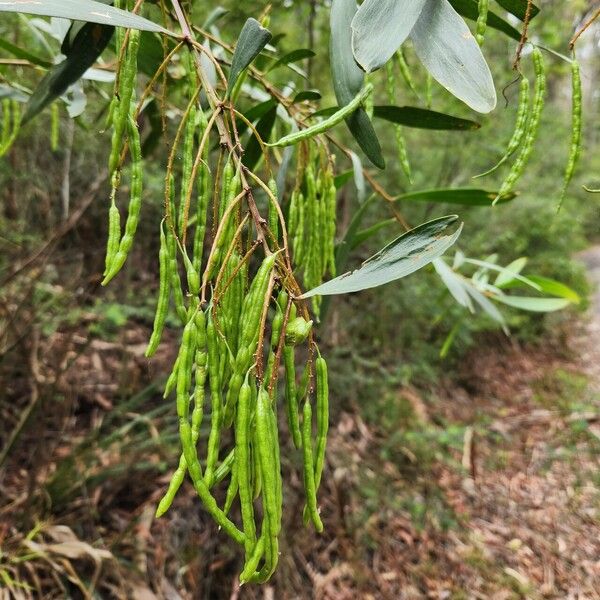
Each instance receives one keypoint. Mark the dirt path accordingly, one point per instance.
(591, 345)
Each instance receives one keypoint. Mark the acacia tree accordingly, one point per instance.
(250, 244)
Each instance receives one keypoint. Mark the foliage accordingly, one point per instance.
(231, 196)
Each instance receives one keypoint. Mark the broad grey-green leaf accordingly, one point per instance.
(82, 10)
(448, 50)
(253, 38)
(508, 275)
(348, 78)
(405, 255)
(379, 28)
(454, 282)
(534, 304)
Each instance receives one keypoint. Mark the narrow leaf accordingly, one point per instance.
(469, 9)
(380, 27)
(82, 10)
(534, 304)
(88, 44)
(405, 255)
(23, 54)
(508, 275)
(253, 38)
(519, 8)
(292, 57)
(448, 50)
(462, 196)
(253, 151)
(421, 118)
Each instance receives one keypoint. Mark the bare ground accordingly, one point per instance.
(489, 489)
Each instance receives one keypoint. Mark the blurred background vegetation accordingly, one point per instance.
(88, 444)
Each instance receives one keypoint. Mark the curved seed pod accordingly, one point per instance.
(331, 216)
(532, 130)
(265, 444)
(309, 471)
(186, 168)
(135, 202)
(249, 572)
(576, 121)
(54, 126)
(520, 127)
(400, 143)
(216, 401)
(343, 113)
(482, 7)
(232, 489)
(114, 232)
(405, 71)
(322, 418)
(202, 489)
(273, 218)
(126, 82)
(291, 395)
(203, 192)
(242, 461)
(164, 292)
(11, 123)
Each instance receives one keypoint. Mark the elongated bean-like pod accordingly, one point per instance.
(11, 123)
(520, 128)
(203, 195)
(126, 81)
(405, 71)
(209, 502)
(326, 124)
(216, 401)
(251, 565)
(178, 476)
(273, 218)
(268, 466)
(186, 168)
(576, 113)
(114, 232)
(309, 470)
(164, 292)
(322, 418)
(54, 126)
(400, 143)
(482, 7)
(532, 130)
(232, 490)
(291, 395)
(135, 202)
(242, 460)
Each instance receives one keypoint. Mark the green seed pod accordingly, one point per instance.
(576, 124)
(297, 331)
(322, 418)
(242, 459)
(327, 124)
(54, 126)
(126, 81)
(401, 144)
(164, 292)
(309, 474)
(135, 203)
(520, 127)
(534, 123)
(481, 21)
